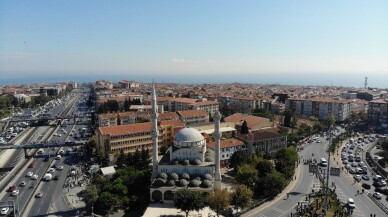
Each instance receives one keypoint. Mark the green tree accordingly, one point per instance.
(271, 184)
(241, 197)
(238, 158)
(90, 195)
(247, 175)
(121, 160)
(330, 120)
(219, 201)
(244, 128)
(265, 167)
(187, 201)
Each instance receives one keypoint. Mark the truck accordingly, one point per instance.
(47, 177)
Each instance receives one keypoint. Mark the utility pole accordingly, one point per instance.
(328, 171)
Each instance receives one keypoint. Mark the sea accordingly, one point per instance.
(306, 79)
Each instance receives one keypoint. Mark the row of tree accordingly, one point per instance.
(127, 188)
(265, 177)
(221, 202)
(114, 106)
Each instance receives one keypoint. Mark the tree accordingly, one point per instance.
(241, 197)
(238, 158)
(219, 201)
(330, 120)
(187, 201)
(244, 128)
(121, 160)
(271, 185)
(264, 167)
(247, 175)
(90, 195)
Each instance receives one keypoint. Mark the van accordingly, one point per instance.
(351, 203)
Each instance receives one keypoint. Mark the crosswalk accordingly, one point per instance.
(279, 210)
(343, 198)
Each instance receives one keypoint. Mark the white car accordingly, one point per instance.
(4, 210)
(34, 177)
(15, 192)
(377, 195)
(51, 170)
(357, 177)
(60, 168)
(29, 174)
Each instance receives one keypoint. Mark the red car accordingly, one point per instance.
(11, 188)
(32, 165)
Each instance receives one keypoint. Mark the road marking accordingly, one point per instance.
(261, 215)
(278, 210)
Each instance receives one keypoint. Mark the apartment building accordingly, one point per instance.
(228, 147)
(253, 122)
(209, 106)
(168, 116)
(109, 119)
(378, 113)
(125, 118)
(242, 104)
(320, 107)
(169, 128)
(127, 138)
(265, 141)
(193, 116)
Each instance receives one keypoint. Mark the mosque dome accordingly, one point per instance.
(188, 135)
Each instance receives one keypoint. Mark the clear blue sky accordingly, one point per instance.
(209, 37)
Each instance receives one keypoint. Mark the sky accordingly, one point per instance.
(279, 41)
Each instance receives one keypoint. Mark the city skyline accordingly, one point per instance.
(326, 43)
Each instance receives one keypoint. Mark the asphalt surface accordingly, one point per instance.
(345, 188)
(51, 189)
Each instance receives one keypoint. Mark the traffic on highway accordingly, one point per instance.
(33, 184)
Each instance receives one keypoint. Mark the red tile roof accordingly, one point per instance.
(174, 123)
(168, 116)
(259, 135)
(192, 113)
(125, 129)
(226, 143)
(251, 120)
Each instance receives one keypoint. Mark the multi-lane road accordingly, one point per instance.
(26, 201)
(306, 181)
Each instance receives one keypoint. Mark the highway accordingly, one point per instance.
(345, 189)
(22, 200)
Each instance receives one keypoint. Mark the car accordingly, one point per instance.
(23, 183)
(357, 178)
(11, 188)
(34, 177)
(51, 170)
(60, 168)
(377, 195)
(58, 157)
(56, 177)
(354, 164)
(15, 192)
(383, 190)
(366, 185)
(352, 171)
(345, 162)
(365, 177)
(351, 203)
(32, 165)
(39, 194)
(4, 210)
(46, 159)
(29, 174)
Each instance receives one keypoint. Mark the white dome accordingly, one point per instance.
(188, 135)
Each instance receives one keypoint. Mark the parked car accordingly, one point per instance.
(29, 174)
(357, 178)
(377, 195)
(365, 177)
(32, 165)
(366, 185)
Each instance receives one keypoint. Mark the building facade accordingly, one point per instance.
(378, 113)
(320, 107)
(267, 142)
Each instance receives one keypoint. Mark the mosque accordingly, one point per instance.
(187, 163)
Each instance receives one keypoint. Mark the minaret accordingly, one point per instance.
(217, 137)
(154, 133)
